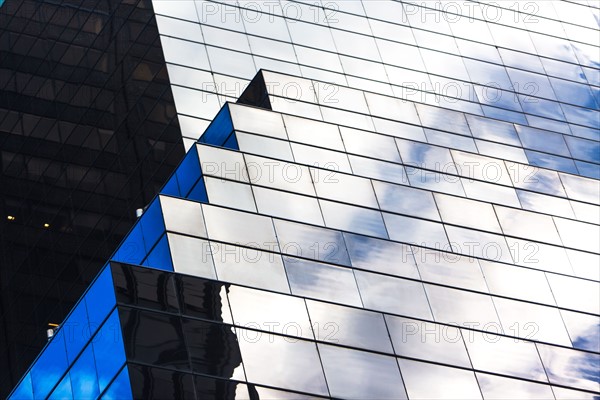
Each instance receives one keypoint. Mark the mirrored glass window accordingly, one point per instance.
(288, 205)
(321, 158)
(343, 187)
(353, 374)
(584, 330)
(394, 295)
(527, 224)
(450, 269)
(574, 293)
(353, 219)
(416, 231)
(256, 120)
(428, 341)
(459, 307)
(465, 212)
(481, 168)
(230, 194)
(578, 234)
(191, 256)
(378, 169)
(313, 132)
(490, 192)
(322, 281)
(370, 145)
(183, 216)
(406, 200)
(568, 367)
(501, 388)
(279, 175)
(264, 146)
(426, 156)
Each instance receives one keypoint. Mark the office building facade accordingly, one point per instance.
(402, 204)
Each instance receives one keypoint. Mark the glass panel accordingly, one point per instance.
(516, 282)
(399, 129)
(287, 205)
(426, 156)
(504, 355)
(534, 178)
(446, 139)
(531, 321)
(50, 366)
(256, 120)
(311, 242)
(353, 219)
(439, 118)
(264, 146)
(322, 281)
(416, 231)
(144, 287)
(153, 338)
(390, 107)
(428, 341)
(435, 181)
(381, 256)
(230, 194)
(572, 368)
(270, 312)
(481, 168)
(77, 330)
(109, 350)
(545, 204)
(491, 193)
(183, 216)
(406, 200)
(191, 256)
(494, 130)
(353, 374)
(458, 307)
(349, 326)
(370, 145)
(539, 256)
(579, 235)
(576, 294)
(501, 151)
(378, 169)
(83, 376)
(450, 269)
(158, 383)
(409, 296)
(24, 391)
(213, 349)
(527, 224)
(584, 330)
(321, 158)
(473, 214)
(222, 163)
(566, 394)
(100, 298)
(120, 388)
(185, 53)
(62, 391)
(313, 132)
(342, 187)
(582, 189)
(500, 388)
(450, 383)
(249, 266)
(292, 365)
(240, 228)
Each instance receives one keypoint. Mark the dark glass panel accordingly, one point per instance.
(203, 299)
(156, 383)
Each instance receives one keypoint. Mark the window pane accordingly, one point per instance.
(500, 388)
(313, 132)
(279, 175)
(370, 145)
(572, 368)
(406, 200)
(191, 256)
(469, 213)
(229, 194)
(288, 205)
(416, 231)
(183, 216)
(463, 308)
(342, 187)
(451, 269)
(353, 219)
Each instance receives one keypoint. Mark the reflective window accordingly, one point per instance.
(240, 228)
(479, 244)
(158, 383)
(321, 281)
(249, 266)
(406, 200)
(100, 298)
(539, 256)
(582, 189)
(145, 287)
(490, 192)
(84, 381)
(213, 349)
(453, 306)
(516, 282)
(292, 364)
(185, 53)
(209, 388)
(428, 341)
(381, 255)
(230, 194)
(390, 107)
(287, 205)
(527, 225)
(63, 390)
(426, 156)
(311, 242)
(536, 179)
(435, 181)
(574, 293)
(440, 118)
(545, 204)
(578, 234)
(222, 163)
(532, 321)
(499, 388)
(450, 383)
(378, 169)
(504, 152)
(349, 326)
(416, 231)
(321, 158)
(183, 216)
(409, 296)
(353, 219)
(450, 269)
(191, 256)
(313, 132)
(584, 330)
(269, 312)
(342, 187)
(257, 120)
(120, 388)
(504, 355)
(264, 146)
(481, 168)
(370, 145)
(445, 139)
(279, 175)
(465, 212)
(353, 374)
(572, 368)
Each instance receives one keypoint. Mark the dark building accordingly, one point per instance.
(88, 133)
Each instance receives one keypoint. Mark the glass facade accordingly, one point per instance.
(366, 221)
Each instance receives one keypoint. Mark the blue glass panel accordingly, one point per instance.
(76, 330)
(232, 143)
(552, 162)
(109, 350)
(153, 224)
(198, 193)
(583, 149)
(24, 391)
(504, 115)
(160, 256)
(100, 299)
(83, 376)
(49, 367)
(171, 187)
(120, 389)
(63, 390)
(538, 139)
(589, 170)
(219, 129)
(541, 107)
(132, 249)
(188, 171)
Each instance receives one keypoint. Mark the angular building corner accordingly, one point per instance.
(391, 208)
